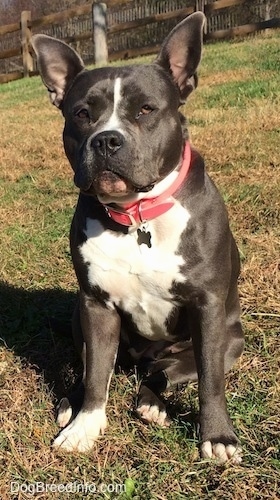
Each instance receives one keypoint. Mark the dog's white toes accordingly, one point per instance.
(152, 414)
(234, 454)
(81, 434)
(206, 449)
(221, 452)
(64, 413)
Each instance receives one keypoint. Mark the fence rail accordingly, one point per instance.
(118, 29)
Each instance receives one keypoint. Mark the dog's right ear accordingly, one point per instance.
(58, 65)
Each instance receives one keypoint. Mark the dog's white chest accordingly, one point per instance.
(138, 278)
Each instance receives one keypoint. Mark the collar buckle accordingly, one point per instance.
(123, 217)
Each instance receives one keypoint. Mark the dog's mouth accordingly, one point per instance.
(109, 183)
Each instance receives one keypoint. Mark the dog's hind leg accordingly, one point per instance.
(172, 369)
(235, 344)
(69, 407)
(175, 368)
(234, 332)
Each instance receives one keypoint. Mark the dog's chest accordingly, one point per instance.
(137, 278)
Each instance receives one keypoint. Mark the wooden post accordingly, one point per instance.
(199, 5)
(27, 60)
(99, 33)
(205, 29)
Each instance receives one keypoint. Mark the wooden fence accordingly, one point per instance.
(118, 29)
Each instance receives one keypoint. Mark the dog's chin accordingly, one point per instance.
(117, 188)
(109, 184)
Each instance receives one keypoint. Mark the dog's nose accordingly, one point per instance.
(107, 143)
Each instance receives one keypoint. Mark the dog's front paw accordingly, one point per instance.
(81, 434)
(221, 452)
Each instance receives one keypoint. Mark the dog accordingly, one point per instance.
(155, 259)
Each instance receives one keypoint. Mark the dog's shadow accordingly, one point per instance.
(36, 326)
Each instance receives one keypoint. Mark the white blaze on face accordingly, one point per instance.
(114, 122)
(108, 184)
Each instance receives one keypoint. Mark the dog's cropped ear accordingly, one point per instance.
(58, 65)
(181, 52)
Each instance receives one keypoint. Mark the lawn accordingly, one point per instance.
(234, 122)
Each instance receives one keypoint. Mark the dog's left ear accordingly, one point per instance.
(181, 52)
(58, 65)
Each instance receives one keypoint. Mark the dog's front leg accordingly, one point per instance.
(101, 331)
(216, 430)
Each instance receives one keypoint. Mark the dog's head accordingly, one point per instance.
(123, 130)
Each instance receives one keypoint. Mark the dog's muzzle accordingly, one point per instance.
(104, 146)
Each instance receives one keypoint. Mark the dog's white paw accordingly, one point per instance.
(221, 452)
(64, 413)
(153, 414)
(81, 434)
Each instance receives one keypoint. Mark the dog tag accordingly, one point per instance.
(144, 237)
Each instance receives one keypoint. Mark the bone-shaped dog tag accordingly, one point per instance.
(144, 236)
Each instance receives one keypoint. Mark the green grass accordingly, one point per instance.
(234, 122)
(236, 94)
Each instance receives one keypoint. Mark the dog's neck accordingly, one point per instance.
(136, 209)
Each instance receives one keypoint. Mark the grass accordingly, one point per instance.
(234, 122)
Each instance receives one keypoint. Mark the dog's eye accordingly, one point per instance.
(83, 114)
(145, 110)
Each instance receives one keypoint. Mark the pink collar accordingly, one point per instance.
(149, 208)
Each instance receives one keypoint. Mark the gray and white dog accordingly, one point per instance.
(155, 259)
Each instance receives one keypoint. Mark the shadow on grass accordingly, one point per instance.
(36, 325)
